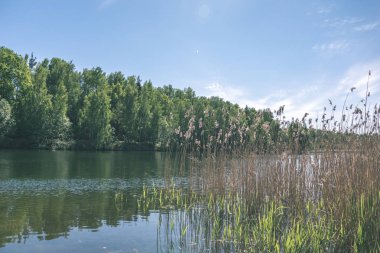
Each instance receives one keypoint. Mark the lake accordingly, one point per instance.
(66, 201)
(114, 202)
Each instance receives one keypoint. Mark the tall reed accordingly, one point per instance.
(314, 186)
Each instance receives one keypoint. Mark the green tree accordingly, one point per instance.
(145, 113)
(60, 125)
(127, 110)
(164, 113)
(35, 109)
(6, 117)
(92, 79)
(14, 74)
(95, 115)
(31, 61)
(62, 72)
(117, 89)
(117, 83)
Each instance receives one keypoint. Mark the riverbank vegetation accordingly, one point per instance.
(314, 188)
(325, 200)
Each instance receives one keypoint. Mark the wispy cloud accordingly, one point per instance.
(367, 27)
(106, 3)
(324, 10)
(357, 76)
(226, 92)
(300, 101)
(334, 46)
(297, 102)
(341, 22)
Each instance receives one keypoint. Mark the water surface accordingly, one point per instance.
(62, 201)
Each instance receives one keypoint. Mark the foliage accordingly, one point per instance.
(52, 103)
(198, 222)
(6, 117)
(34, 109)
(14, 74)
(95, 115)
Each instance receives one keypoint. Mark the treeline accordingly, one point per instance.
(49, 104)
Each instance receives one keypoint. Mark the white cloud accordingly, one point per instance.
(313, 97)
(337, 46)
(367, 27)
(226, 92)
(297, 102)
(357, 76)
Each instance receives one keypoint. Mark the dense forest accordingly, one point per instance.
(50, 104)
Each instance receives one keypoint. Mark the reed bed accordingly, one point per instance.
(198, 222)
(317, 190)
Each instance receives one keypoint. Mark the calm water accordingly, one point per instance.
(63, 201)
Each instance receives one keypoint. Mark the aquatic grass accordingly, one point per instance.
(201, 222)
(341, 184)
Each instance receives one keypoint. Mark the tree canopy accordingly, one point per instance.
(50, 104)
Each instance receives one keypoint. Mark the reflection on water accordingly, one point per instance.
(139, 236)
(79, 201)
(67, 164)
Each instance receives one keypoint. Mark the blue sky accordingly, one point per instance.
(260, 53)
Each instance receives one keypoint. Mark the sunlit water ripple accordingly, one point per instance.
(81, 185)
